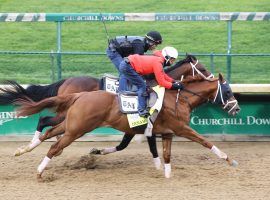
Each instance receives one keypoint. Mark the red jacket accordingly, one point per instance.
(148, 64)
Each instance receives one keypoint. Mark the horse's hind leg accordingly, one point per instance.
(44, 122)
(54, 131)
(57, 147)
(189, 133)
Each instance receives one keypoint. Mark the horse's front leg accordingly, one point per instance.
(189, 133)
(166, 146)
(152, 143)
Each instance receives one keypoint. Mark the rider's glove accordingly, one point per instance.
(177, 86)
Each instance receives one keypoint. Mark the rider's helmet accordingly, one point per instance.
(168, 53)
(153, 38)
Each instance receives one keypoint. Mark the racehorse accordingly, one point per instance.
(87, 111)
(187, 66)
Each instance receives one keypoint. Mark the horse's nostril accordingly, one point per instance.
(237, 110)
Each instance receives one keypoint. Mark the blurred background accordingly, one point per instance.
(28, 49)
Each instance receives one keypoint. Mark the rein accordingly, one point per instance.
(186, 98)
(219, 91)
(195, 94)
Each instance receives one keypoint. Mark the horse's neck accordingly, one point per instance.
(180, 71)
(176, 74)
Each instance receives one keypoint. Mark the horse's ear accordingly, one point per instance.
(220, 77)
(189, 57)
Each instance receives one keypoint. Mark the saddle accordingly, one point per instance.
(128, 102)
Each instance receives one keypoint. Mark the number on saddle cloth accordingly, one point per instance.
(110, 83)
(128, 101)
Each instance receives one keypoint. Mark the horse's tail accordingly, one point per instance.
(36, 93)
(57, 103)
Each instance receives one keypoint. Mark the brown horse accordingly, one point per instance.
(89, 110)
(188, 66)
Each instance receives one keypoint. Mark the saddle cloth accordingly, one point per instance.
(129, 104)
(110, 83)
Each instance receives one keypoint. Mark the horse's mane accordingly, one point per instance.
(187, 59)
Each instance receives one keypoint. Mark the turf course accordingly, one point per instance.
(192, 37)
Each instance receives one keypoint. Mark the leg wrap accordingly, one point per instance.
(36, 136)
(43, 164)
(157, 162)
(167, 170)
(219, 153)
(34, 144)
(108, 150)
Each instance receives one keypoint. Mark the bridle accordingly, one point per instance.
(218, 99)
(194, 69)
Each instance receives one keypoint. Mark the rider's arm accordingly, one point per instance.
(168, 78)
(160, 77)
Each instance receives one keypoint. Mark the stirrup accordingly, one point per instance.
(144, 113)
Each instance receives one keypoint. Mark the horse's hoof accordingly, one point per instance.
(17, 152)
(167, 174)
(39, 178)
(95, 151)
(234, 163)
(20, 151)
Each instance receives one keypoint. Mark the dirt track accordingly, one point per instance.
(130, 174)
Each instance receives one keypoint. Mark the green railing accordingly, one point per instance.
(60, 18)
(56, 61)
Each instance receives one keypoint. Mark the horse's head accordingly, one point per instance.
(188, 66)
(225, 97)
